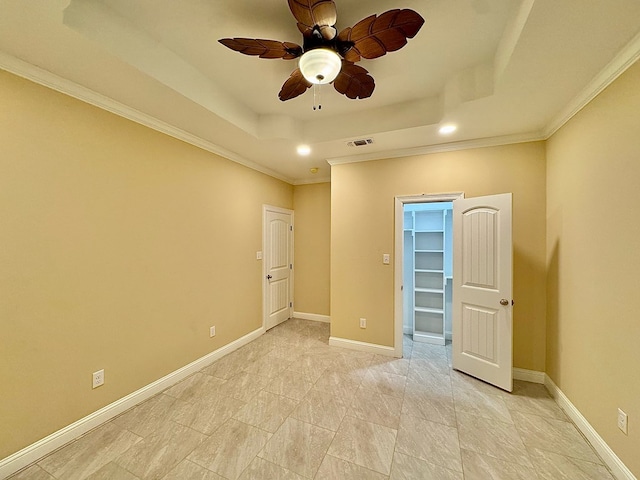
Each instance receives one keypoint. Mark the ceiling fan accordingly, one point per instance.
(328, 56)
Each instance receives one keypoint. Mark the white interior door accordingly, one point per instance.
(278, 265)
(482, 289)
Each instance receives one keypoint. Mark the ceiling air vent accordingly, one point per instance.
(360, 143)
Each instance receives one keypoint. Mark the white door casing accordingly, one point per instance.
(400, 202)
(483, 288)
(277, 265)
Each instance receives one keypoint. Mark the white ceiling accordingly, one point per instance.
(502, 70)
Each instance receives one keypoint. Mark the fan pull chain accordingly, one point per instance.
(317, 105)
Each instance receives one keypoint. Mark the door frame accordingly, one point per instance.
(400, 202)
(270, 208)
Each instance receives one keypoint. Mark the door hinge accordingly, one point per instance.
(291, 266)
(290, 304)
(291, 228)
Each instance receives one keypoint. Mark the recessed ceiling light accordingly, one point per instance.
(304, 149)
(447, 129)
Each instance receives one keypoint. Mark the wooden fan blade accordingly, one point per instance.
(263, 48)
(374, 36)
(295, 85)
(314, 12)
(354, 81)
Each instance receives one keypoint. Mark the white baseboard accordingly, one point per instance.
(362, 346)
(39, 449)
(529, 375)
(312, 316)
(407, 330)
(619, 469)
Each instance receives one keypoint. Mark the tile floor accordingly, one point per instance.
(288, 406)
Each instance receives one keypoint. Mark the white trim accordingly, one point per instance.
(532, 376)
(62, 85)
(616, 67)
(444, 147)
(362, 346)
(619, 469)
(312, 316)
(39, 449)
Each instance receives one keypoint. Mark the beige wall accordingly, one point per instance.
(119, 247)
(362, 229)
(593, 256)
(312, 204)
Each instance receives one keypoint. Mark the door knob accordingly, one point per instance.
(504, 302)
(269, 277)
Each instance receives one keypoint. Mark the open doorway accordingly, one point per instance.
(428, 271)
(429, 258)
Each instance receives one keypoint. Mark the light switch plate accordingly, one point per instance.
(386, 258)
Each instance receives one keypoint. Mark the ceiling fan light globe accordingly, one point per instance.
(320, 65)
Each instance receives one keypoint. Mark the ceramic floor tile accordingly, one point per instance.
(483, 467)
(426, 381)
(552, 466)
(398, 366)
(339, 384)
(350, 363)
(310, 366)
(269, 367)
(226, 367)
(89, 453)
(230, 449)
(112, 471)
(481, 404)
(534, 399)
(493, 438)
(435, 365)
(364, 443)
(187, 470)
(405, 467)
(430, 406)
(261, 469)
(243, 386)
(554, 436)
(195, 387)
(427, 351)
(382, 382)
(147, 417)
(430, 441)
(207, 414)
(159, 453)
(298, 446)
(290, 384)
(266, 411)
(376, 407)
(462, 380)
(34, 472)
(321, 408)
(333, 468)
(287, 353)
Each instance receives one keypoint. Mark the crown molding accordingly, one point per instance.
(47, 79)
(443, 147)
(313, 181)
(616, 67)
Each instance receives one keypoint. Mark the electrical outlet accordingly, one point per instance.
(258, 255)
(622, 422)
(212, 331)
(98, 378)
(363, 323)
(386, 258)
